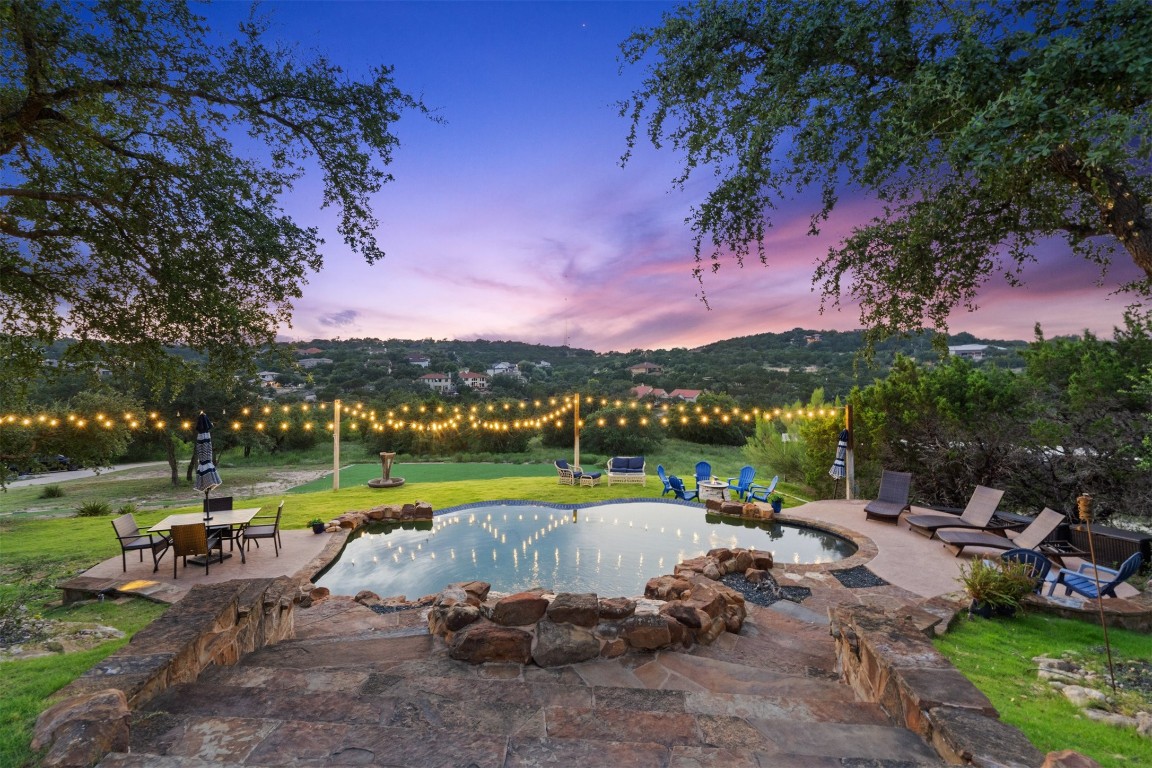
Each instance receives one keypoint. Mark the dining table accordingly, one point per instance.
(233, 519)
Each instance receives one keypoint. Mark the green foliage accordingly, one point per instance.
(999, 583)
(52, 492)
(981, 127)
(121, 180)
(767, 450)
(615, 431)
(128, 509)
(94, 509)
(702, 422)
(997, 657)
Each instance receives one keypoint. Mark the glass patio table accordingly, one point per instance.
(232, 519)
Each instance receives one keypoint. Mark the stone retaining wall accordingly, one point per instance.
(214, 624)
(888, 661)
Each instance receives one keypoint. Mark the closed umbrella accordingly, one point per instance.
(207, 477)
(839, 471)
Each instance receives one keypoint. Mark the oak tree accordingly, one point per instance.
(143, 164)
(980, 128)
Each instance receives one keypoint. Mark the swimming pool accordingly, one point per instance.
(609, 549)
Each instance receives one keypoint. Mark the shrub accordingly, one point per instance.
(127, 509)
(51, 492)
(93, 509)
(998, 584)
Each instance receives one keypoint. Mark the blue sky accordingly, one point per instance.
(513, 218)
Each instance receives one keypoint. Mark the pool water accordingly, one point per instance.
(610, 549)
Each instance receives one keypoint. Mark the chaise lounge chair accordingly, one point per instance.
(977, 515)
(1029, 538)
(1082, 582)
(892, 498)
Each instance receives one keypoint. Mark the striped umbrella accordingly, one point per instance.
(838, 471)
(207, 477)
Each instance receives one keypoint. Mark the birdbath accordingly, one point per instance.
(387, 481)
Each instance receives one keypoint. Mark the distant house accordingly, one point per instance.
(813, 339)
(310, 351)
(646, 391)
(268, 378)
(543, 364)
(687, 395)
(971, 351)
(504, 369)
(419, 360)
(477, 381)
(312, 362)
(641, 369)
(441, 382)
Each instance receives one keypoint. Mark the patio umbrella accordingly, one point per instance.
(207, 477)
(838, 471)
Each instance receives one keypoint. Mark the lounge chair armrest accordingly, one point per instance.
(1087, 568)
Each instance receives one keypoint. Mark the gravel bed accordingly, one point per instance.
(859, 578)
(766, 592)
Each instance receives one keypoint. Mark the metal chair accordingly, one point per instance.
(892, 498)
(132, 538)
(193, 539)
(265, 531)
(221, 504)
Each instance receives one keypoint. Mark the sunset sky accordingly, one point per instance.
(514, 219)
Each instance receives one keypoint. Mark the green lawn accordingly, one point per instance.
(360, 474)
(997, 656)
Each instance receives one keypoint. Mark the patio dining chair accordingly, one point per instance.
(193, 539)
(265, 530)
(132, 538)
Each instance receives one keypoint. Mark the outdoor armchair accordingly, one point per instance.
(680, 491)
(132, 538)
(1038, 565)
(660, 473)
(703, 473)
(1082, 582)
(977, 514)
(762, 492)
(568, 474)
(892, 498)
(741, 484)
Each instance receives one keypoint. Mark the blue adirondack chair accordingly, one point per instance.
(663, 478)
(703, 473)
(680, 491)
(741, 484)
(1038, 565)
(762, 492)
(1082, 582)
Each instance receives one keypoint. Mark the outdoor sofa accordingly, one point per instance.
(626, 469)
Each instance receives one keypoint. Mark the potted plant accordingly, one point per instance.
(777, 502)
(317, 524)
(996, 587)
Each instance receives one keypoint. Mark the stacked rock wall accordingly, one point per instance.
(677, 611)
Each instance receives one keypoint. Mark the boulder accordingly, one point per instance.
(519, 610)
(665, 587)
(743, 561)
(481, 642)
(616, 607)
(1068, 758)
(732, 508)
(558, 644)
(761, 560)
(648, 632)
(477, 590)
(688, 615)
(79, 731)
(458, 616)
(581, 609)
(367, 597)
(614, 648)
